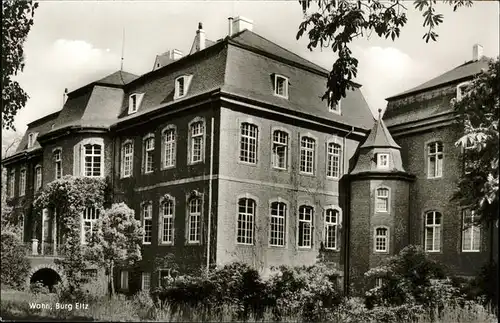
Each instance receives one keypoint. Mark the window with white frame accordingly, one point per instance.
(89, 219)
(134, 102)
(461, 88)
(197, 133)
(181, 86)
(334, 107)
(277, 230)
(248, 143)
(382, 199)
(332, 221)
(31, 140)
(194, 220)
(334, 152)
(146, 281)
(281, 86)
(246, 218)
(169, 149)
(381, 239)
(471, 232)
(167, 216)
(149, 148)
(305, 226)
(127, 158)
(280, 149)
(435, 159)
(38, 177)
(11, 183)
(147, 222)
(164, 275)
(58, 163)
(22, 182)
(93, 160)
(382, 160)
(124, 279)
(307, 153)
(432, 231)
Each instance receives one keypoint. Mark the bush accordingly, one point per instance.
(15, 265)
(38, 288)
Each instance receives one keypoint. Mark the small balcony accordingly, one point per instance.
(45, 249)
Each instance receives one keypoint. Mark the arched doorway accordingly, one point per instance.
(47, 276)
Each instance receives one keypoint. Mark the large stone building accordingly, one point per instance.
(229, 153)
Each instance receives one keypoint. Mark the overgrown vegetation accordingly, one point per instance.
(15, 266)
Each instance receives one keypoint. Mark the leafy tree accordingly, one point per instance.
(478, 114)
(17, 19)
(117, 241)
(15, 265)
(336, 23)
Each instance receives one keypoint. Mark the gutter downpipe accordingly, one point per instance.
(347, 226)
(209, 230)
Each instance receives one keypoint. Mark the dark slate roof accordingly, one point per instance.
(118, 78)
(380, 137)
(39, 126)
(463, 71)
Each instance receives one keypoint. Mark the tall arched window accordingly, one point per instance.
(471, 232)
(382, 199)
(169, 147)
(246, 218)
(89, 229)
(305, 226)
(435, 159)
(277, 230)
(92, 160)
(194, 220)
(332, 221)
(167, 221)
(127, 158)
(307, 154)
(38, 177)
(147, 222)
(280, 149)
(58, 163)
(334, 152)
(149, 148)
(197, 138)
(381, 243)
(433, 221)
(248, 143)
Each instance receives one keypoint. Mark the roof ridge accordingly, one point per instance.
(285, 49)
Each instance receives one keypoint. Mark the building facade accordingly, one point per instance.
(229, 154)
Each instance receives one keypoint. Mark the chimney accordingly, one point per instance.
(477, 52)
(65, 96)
(230, 32)
(241, 23)
(174, 54)
(200, 37)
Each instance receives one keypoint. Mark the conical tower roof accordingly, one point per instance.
(379, 136)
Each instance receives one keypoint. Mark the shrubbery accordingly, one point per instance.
(15, 265)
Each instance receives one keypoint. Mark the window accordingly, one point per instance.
(147, 222)
(167, 216)
(248, 143)
(90, 216)
(197, 131)
(383, 160)
(92, 158)
(134, 102)
(280, 149)
(332, 221)
(22, 182)
(433, 231)
(58, 163)
(334, 152)
(38, 177)
(31, 140)
(281, 86)
(382, 200)
(11, 183)
(435, 159)
(246, 217)
(334, 107)
(381, 239)
(182, 86)
(307, 153)
(169, 148)
(278, 224)
(194, 220)
(471, 232)
(149, 147)
(127, 158)
(146, 281)
(305, 226)
(124, 279)
(461, 90)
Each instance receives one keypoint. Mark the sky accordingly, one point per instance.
(73, 43)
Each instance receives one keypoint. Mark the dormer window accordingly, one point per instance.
(182, 86)
(281, 86)
(461, 90)
(134, 102)
(31, 140)
(334, 107)
(382, 160)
